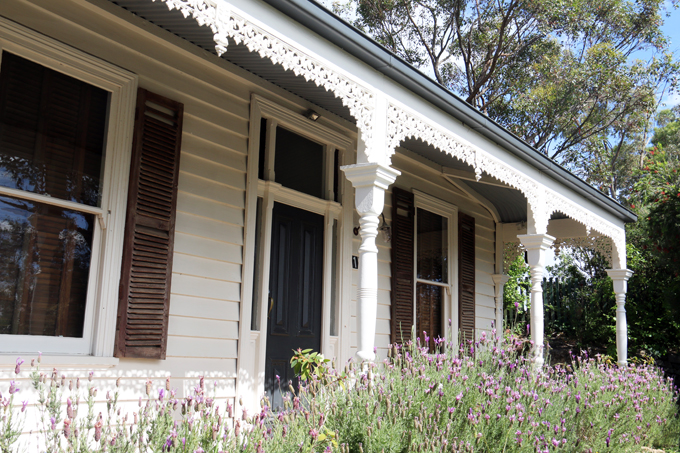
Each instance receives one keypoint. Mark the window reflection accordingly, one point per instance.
(299, 163)
(432, 247)
(429, 312)
(52, 130)
(46, 253)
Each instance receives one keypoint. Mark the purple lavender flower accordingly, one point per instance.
(17, 368)
(67, 428)
(98, 429)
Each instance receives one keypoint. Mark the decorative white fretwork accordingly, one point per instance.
(600, 244)
(226, 22)
(403, 124)
(511, 250)
(559, 203)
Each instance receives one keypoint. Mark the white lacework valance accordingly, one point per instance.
(403, 124)
(600, 244)
(511, 250)
(226, 22)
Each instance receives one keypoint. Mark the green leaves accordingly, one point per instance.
(306, 364)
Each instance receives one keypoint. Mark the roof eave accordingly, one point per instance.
(340, 33)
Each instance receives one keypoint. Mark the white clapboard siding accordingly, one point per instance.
(207, 269)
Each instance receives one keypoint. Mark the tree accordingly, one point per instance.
(562, 75)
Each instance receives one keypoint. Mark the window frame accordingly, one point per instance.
(107, 244)
(422, 200)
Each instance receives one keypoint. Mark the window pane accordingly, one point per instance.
(255, 310)
(44, 269)
(432, 247)
(334, 281)
(298, 164)
(429, 312)
(263, 147)
(52, 130)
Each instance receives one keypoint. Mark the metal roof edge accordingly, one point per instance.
(342, 34)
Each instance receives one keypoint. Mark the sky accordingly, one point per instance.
(671, 28)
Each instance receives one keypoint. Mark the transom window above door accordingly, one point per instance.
(297, 162)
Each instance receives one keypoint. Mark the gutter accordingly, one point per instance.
(340, 33)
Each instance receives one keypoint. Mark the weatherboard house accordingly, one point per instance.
(198, 187)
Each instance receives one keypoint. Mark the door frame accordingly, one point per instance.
(252, 346)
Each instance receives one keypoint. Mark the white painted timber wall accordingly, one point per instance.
(205, 304)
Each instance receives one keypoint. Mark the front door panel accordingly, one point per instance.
(295, 289)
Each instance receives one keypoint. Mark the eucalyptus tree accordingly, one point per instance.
(577, 79)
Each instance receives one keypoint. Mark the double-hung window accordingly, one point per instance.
(425, 268)
(62, 181)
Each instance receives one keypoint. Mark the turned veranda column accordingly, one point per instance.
(620, 279)
(537, 247)
(370, 181)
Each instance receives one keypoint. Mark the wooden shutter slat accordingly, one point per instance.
(466, 272)
(402, 265)
(150, 227)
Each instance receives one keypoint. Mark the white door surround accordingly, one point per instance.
(253, 341)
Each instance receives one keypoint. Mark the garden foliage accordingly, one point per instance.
(480, 397)
(653, 300)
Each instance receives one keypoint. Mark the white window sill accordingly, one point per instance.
(61, 362)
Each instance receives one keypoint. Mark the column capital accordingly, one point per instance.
(620, 278)
(370, 180)
(370, 175)
(536, 241)
(536, 245)
(620, 274)
(499, 280)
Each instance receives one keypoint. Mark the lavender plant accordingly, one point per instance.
(11, 421)
(481, 397)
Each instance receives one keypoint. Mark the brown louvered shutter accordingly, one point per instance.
(402, 265)
(149, 228)
(466, 281)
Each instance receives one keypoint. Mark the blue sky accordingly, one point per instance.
(671, 28)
